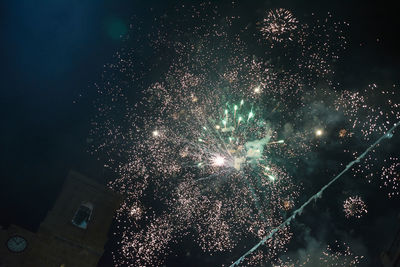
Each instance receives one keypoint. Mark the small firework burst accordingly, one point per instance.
(136, 212)
(342, 133)
(354, 207)
(279, 25)
(287, 204)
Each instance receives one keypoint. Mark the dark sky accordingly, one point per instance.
(52, 52)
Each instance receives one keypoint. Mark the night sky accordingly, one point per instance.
(52, 54)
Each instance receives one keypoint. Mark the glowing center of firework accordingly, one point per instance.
(156, 133)
(218, 161)
(318, 132)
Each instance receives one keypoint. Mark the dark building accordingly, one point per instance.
(73, 234)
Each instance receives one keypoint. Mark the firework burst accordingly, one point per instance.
(279, 25)
(354, 207)
(208, 151)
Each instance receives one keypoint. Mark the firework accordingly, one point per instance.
(279, 25)
(317, 195)
(377, 116)
(207, 151)
(390, 176)
(354, 207)
(336, 255)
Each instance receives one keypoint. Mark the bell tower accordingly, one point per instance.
(74, 232)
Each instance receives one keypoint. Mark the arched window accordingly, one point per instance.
(82, 215)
